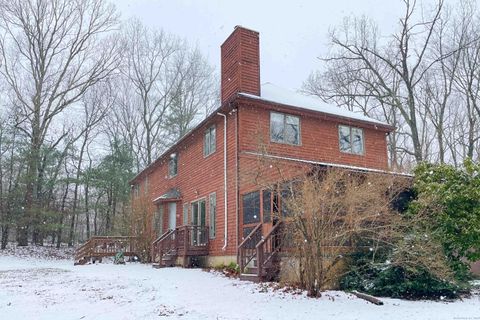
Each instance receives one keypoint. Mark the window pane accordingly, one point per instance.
(251, 207)
(285, 194)
(185, 214)
(267, 205)
(213, 139)
(158, 221)
(206, 143)
(357, 140)
(213, 215)
(173, 165)
(344, 137)
(203, 213)
(292, 130)
(276, 127)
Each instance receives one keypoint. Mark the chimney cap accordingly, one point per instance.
(242, 27)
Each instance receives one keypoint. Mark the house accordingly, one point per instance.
(206, 194)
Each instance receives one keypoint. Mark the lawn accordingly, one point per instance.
(37, 288)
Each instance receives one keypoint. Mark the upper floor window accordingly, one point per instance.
(351, 139)
(209, 141)
(284, 128)
(173, 165)
(136, 190)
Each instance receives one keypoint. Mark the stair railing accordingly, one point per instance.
(268, 247)
(162, 244)
(247, 250)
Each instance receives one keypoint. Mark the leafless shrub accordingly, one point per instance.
(336, 212)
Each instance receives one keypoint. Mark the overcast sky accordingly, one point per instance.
(292, 33)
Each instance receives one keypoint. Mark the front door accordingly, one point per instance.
(172, 215)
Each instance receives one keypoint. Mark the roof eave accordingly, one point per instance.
(386, 127)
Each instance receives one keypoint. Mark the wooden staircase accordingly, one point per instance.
(259, 256)
(98, 247)
(183, 242)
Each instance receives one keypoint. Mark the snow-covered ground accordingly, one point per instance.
(33, 288)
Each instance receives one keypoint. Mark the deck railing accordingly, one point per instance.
(105, 246)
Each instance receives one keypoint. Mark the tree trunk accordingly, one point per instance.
(5, 231)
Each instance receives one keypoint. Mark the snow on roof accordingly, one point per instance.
(276, 94)
(171, 194)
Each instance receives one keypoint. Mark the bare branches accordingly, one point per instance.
(411, 78)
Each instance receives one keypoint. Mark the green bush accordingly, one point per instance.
(383, 279)
(451, 196)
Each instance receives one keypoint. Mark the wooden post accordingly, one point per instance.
(260, 259)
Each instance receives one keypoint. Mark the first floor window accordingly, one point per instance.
(185, 214)
(350, 139)
(251, 207)
(173, 165)
(158, 220)
(284, 128)
(267, 205)
(213, 215)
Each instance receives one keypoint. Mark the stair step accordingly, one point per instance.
(249, 277)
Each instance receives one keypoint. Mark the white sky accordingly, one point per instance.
(292, 33)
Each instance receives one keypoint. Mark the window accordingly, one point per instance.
(145, 189)
(251, 207)
(209, 141)
(213, 215)
(267, 205)
(185, 214)
(284, 128)
(173, 165)
(136, 190)
(199, 235)
(351, 139)
(158, 221)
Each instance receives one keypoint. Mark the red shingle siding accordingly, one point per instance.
(197, 178)
(240, 63)
(318, 136)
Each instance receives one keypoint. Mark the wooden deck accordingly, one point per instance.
(98, 247)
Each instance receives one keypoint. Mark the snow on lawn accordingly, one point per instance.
(55, 289)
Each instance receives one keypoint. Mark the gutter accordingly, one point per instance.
(225, 201)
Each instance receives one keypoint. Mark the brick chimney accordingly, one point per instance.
(240, 61)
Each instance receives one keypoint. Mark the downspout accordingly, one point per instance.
(225, 201)
(236, 181)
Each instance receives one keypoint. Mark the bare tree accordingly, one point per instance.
(52, 52)
(385, 76)
(168, 85)
(96, 103)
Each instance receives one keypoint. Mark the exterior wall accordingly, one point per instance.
(318, 142)
(248, 131)
(318, 137)
(197, 178)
